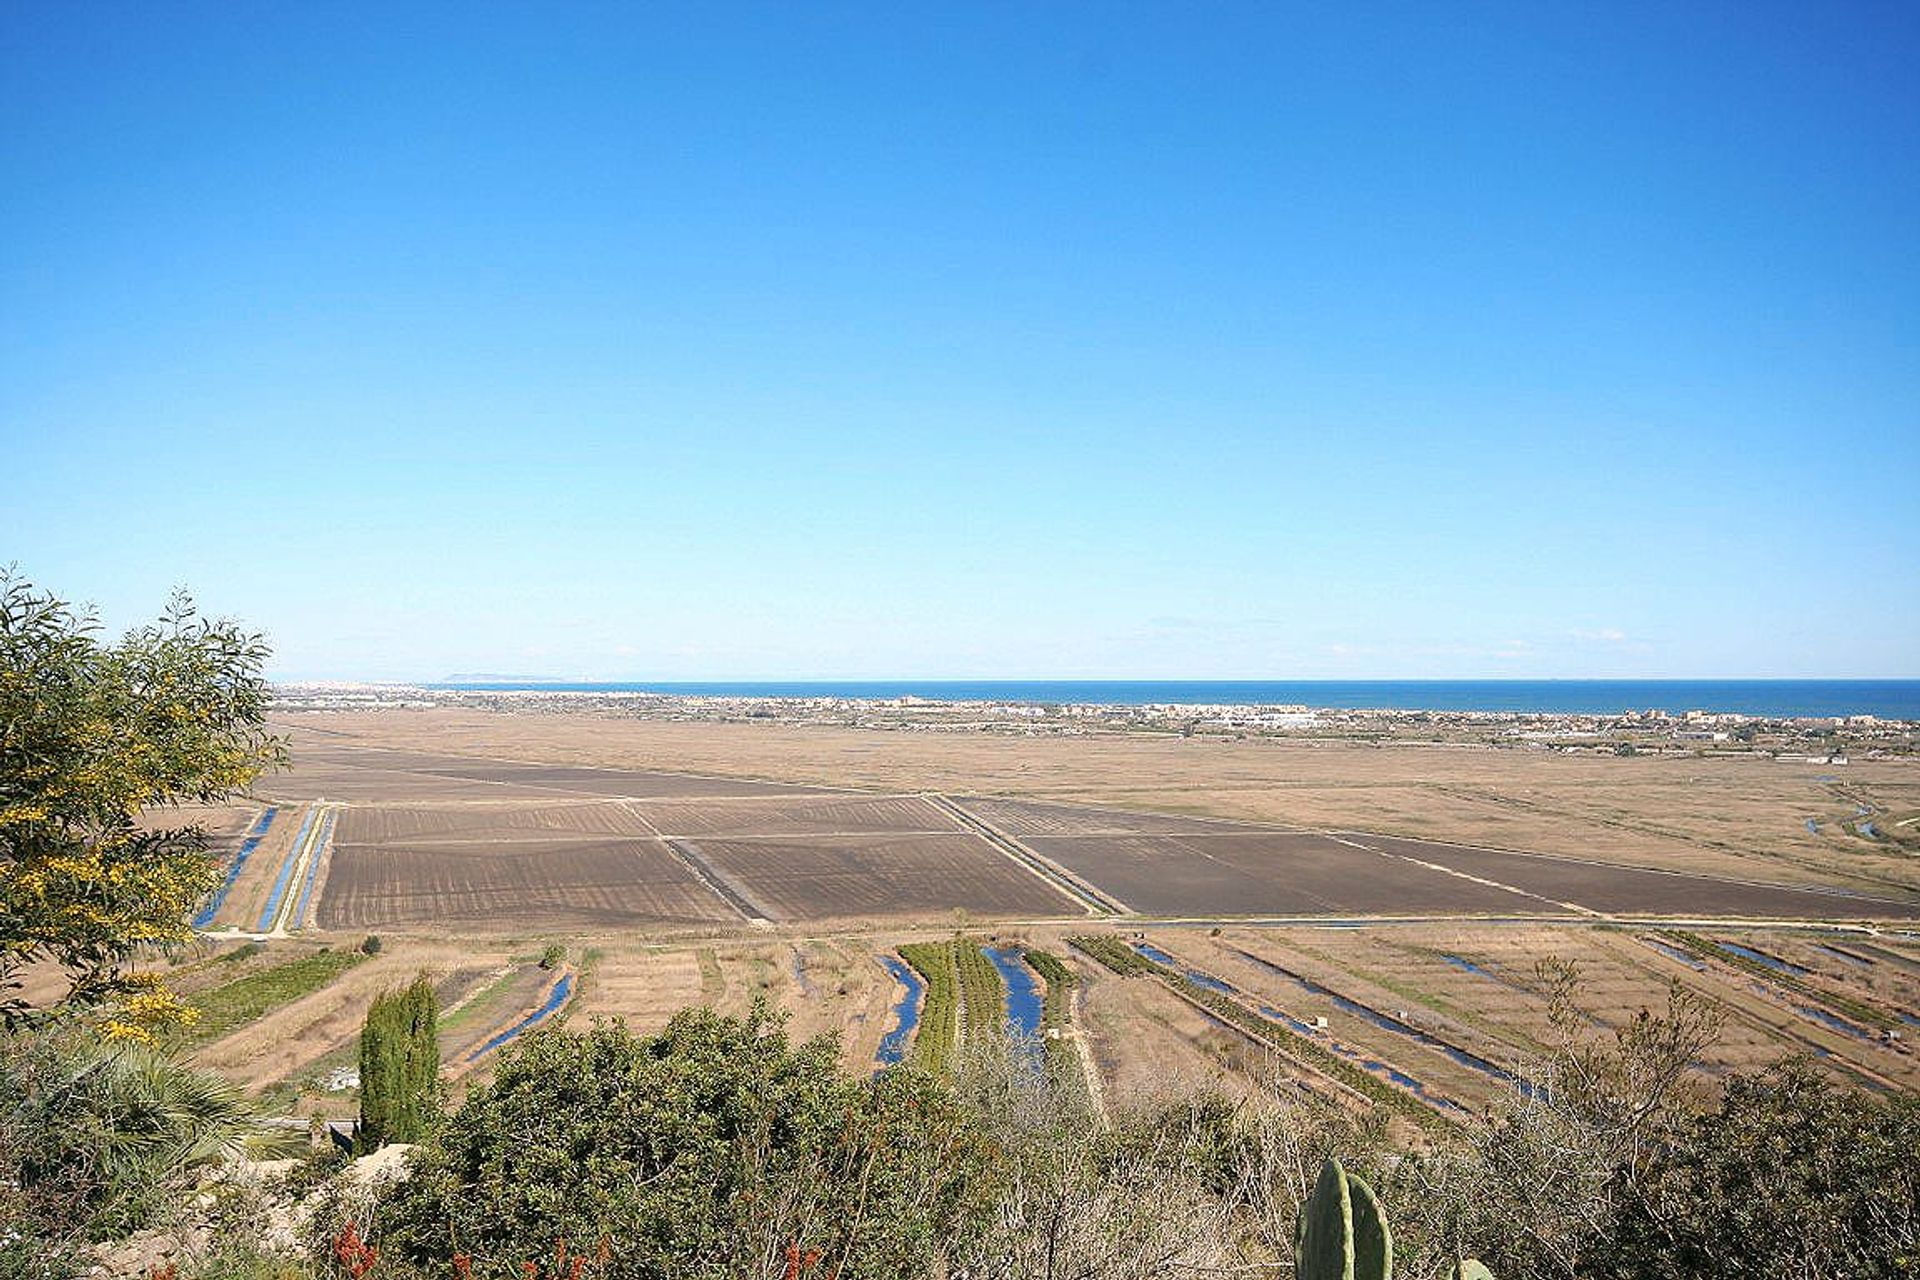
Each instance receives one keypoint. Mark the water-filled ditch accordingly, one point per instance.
(286, 873)
(1387, 1022)
(255, 834)
(1774, 963)
(555, 998)
(906, 1012)
(1023, 993)
(1371, 1065)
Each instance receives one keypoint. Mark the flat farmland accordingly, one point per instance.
(1606, 888)
(796, 816)
(1024, 818)
(606, 782)
(495, 821)
(864, 875)
(1226, 873)
(353, 784)
(1743, 818)
(1168, 865)
(354, 773)
(514, 886)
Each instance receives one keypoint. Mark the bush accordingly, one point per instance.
(1791, 1176)
(708, 1150)
(370, 945)
(553, 956)
(96, 1140)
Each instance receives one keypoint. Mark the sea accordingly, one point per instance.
(1780, 699)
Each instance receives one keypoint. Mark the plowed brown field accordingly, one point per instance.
(812, 815)
(514, 886)
(379, 824)
(838, 877)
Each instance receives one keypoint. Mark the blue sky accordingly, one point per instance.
(1122, 341)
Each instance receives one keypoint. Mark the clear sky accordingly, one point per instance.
(704, 341)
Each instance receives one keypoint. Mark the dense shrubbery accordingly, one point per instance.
(92, 735)
(97, 1140)
(705, 1151)
(99, 1133)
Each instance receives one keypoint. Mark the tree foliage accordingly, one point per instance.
(92, 736)
(715, 1148)
(1789, 1176)
(400, 1066)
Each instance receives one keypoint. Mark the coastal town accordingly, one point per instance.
(1834, 741)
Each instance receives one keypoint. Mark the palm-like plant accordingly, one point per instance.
(103, 1133)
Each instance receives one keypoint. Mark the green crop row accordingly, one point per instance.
(251, 996)
(939, 1027)
(1114, 954)
(966, 999)
(1706, 948)
(983, 993)
(1056, 1006)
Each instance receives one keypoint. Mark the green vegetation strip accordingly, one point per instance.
(1056, 1006)
(1113, 954)
(1707, 949)
(934, 1038)
(983, 993)
(1304, 1052)
(234, 1004)
(966, 999)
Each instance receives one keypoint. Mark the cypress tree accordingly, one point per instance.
(399, 1066)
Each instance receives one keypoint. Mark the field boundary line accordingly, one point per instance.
(1824, 891)
(688, 855)
(1463, 875)
(1096, 900)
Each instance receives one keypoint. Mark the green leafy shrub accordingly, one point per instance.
(708, 1150)
(370, 945)
(96, 1139)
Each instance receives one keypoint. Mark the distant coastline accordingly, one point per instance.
(1773, 699)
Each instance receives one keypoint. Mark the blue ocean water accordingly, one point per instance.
(1888, 699)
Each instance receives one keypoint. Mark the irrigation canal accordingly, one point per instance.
(562, 989)
(906, 1012)
(255, 834)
